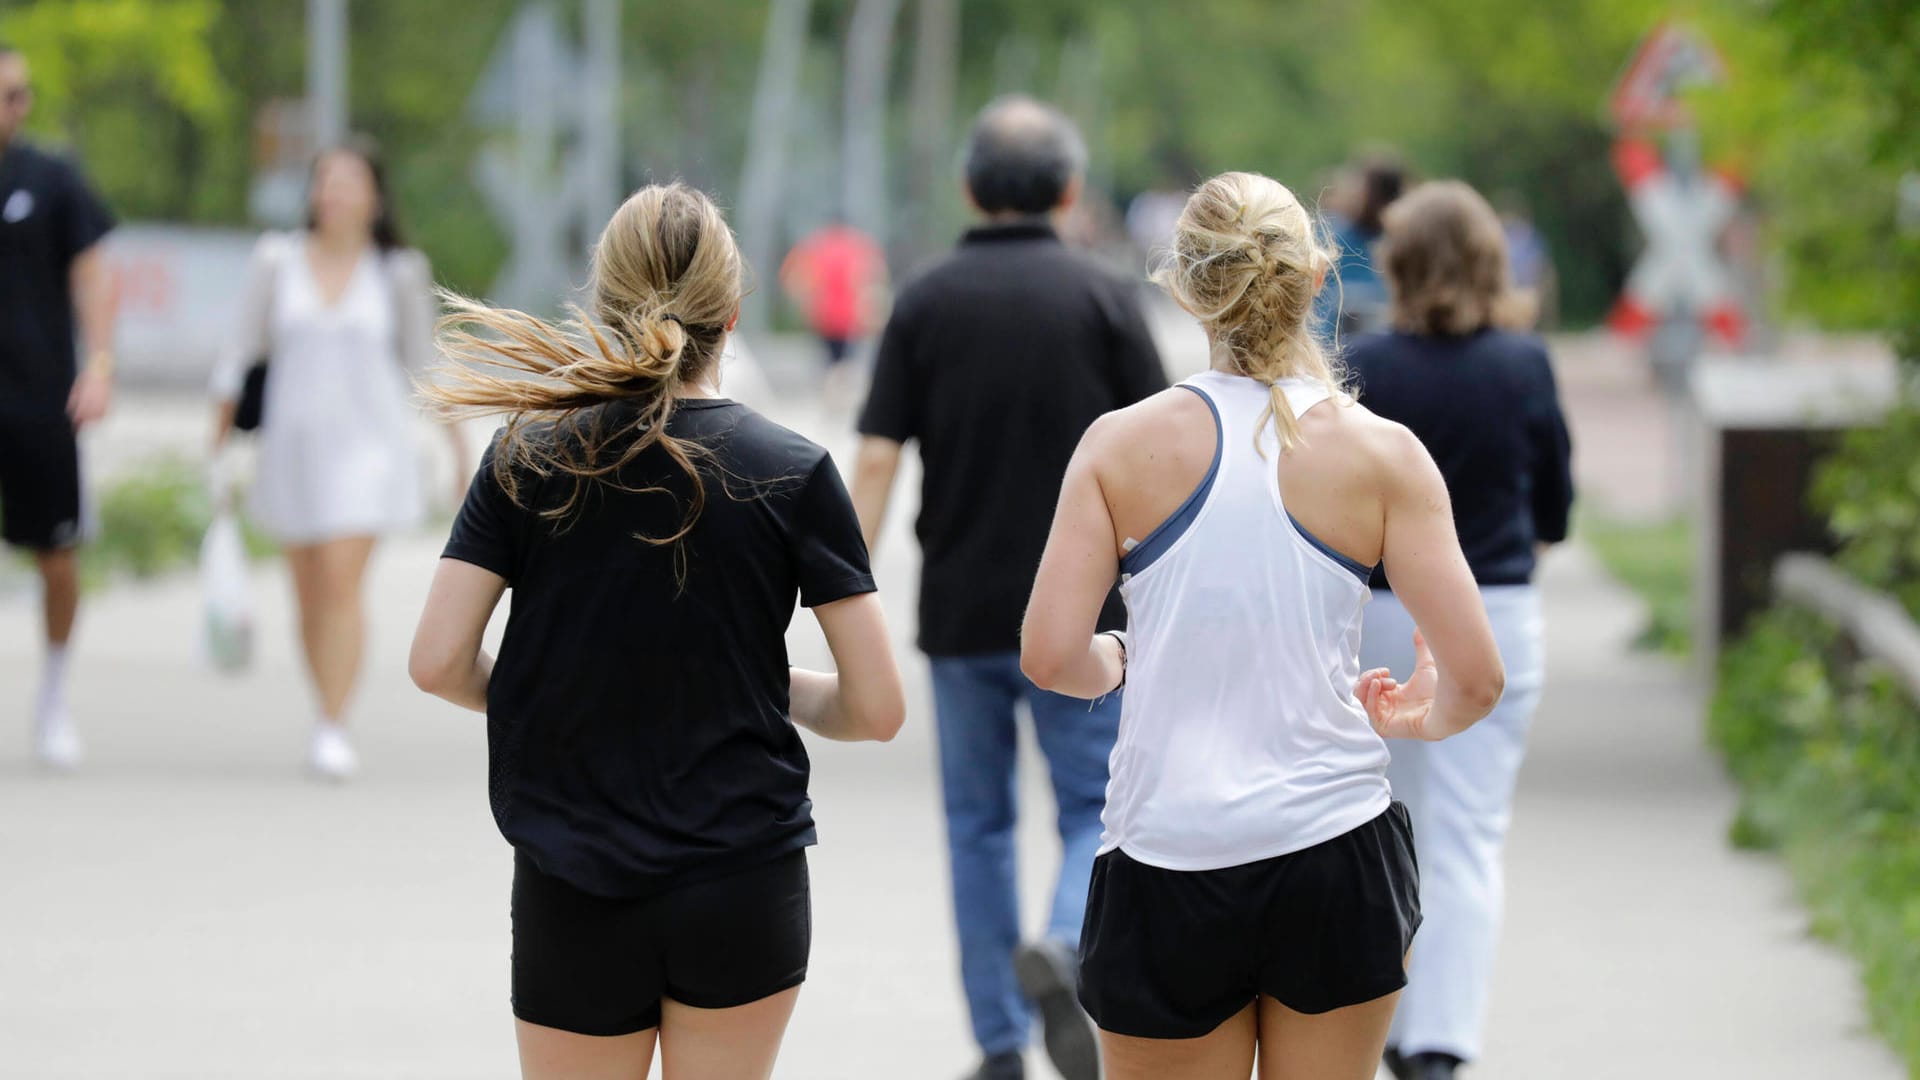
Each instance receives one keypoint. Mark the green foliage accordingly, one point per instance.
(1822, 129)
(159, 97)
(134, 86)
(1655, 560)
(1827, 753)
(1870, 491)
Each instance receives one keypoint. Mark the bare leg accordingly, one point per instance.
(1344, 1044)
(551, 1054)
(724, 1044)
(1225, 1053)
(60, 583)
(327, 580)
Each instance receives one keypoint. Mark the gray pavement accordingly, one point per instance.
(188, 906)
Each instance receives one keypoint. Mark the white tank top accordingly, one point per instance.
(1240, 736)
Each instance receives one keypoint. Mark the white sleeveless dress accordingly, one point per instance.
(338, 455)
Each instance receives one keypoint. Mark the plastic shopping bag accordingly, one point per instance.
(227, 630)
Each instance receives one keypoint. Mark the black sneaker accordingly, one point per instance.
(1395, 1064)
(1046, 971)
(1430, 1066)
(1008, 1066)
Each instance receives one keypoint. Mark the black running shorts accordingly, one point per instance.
(1172, 954)
(599, 966)
(39, 482)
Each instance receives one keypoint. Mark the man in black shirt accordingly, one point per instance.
(50, 265)
(996, 360)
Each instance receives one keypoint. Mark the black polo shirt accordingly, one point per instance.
(48, 217)
(1486, 408)
(996, 359)
(637, 717)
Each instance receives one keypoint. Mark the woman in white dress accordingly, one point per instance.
(342, 313)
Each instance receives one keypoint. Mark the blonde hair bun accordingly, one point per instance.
(1246, 260)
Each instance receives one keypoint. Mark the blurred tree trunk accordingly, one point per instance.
(779, 83)
(936, 57)
(864, 116)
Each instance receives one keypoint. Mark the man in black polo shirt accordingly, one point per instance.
(996, 359)
(50, 266)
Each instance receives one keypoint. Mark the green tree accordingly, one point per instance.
(132, 87)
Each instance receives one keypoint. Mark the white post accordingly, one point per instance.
(600, 119)
(935, 59)
(327, 70)
(780, 56)
(864, 116)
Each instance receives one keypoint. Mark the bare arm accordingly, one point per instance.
(97, 302)
(1458, 676)
(863, 699)
(1059, 650)
(874, 468)
(447, 660)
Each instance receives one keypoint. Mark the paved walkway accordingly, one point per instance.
(189, 907)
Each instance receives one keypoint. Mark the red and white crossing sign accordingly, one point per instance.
(1682, 212)
(1680, 274)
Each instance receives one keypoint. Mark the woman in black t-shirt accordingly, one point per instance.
(640, 716)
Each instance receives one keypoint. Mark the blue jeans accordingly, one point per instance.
(974, 697)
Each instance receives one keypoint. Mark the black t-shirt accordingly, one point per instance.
(997, 359)
(48, 217)
(1486, 408)
(637, 722)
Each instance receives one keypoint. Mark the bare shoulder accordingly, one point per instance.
(1385, 448)
(1148, 425)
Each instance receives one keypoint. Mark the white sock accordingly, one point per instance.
(53, 684)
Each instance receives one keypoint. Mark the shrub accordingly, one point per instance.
(1827, 752)
(151, 519)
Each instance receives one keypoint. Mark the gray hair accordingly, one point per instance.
(1022, 156)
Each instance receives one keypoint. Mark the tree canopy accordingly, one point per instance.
(158, 99)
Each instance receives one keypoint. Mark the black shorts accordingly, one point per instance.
(599, 966)
(1172, 954)
(39, 482)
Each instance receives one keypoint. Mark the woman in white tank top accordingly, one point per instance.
(1256, 887)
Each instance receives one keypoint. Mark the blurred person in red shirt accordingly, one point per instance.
(838, 277)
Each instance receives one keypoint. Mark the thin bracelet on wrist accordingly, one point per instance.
(1119, 638)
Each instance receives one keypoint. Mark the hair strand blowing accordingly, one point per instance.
(665, 287)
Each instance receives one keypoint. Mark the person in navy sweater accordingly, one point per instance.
(1483, 401)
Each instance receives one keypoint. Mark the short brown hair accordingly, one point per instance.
(1445, 255)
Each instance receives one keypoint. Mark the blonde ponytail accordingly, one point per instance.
(665, 285)
(1246, 262)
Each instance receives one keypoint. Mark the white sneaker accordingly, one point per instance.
(329, 755)
(56, 743)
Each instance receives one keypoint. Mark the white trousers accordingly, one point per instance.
(1460, 793)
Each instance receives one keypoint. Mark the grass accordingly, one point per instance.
(1655, 560)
